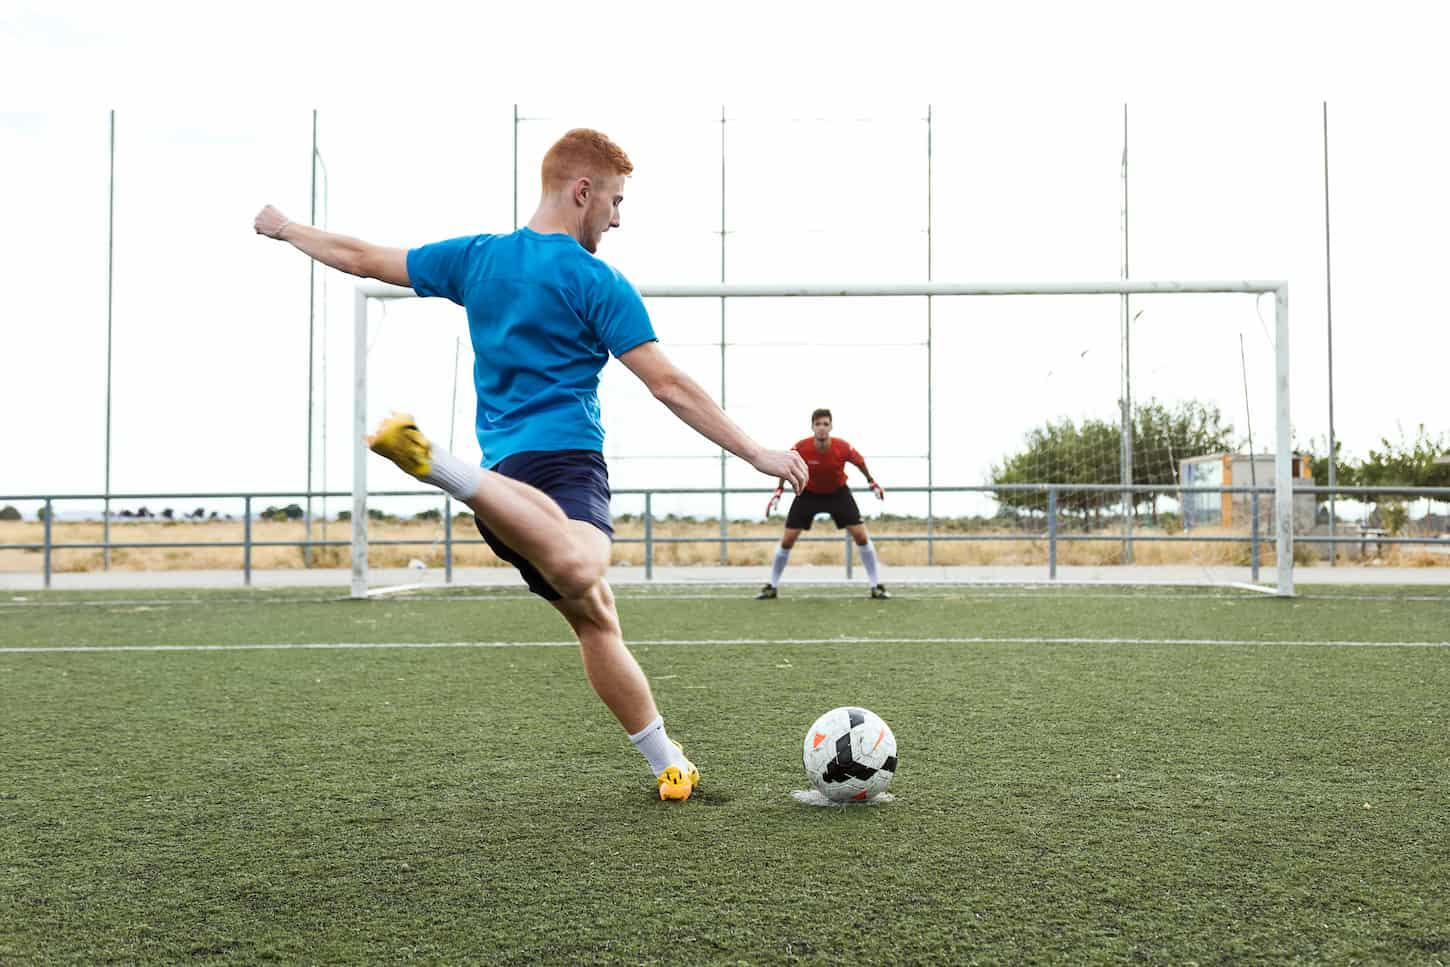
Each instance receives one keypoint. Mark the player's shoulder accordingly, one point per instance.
(802, 444)
(607, 274)
(840, 445)
(591, 274)
(459, 244)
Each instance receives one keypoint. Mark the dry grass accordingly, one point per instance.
(999, 552)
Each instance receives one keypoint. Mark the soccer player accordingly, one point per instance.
(825, 493)
(544, 315)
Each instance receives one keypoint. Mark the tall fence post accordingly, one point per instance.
(447, 541)
(247, 541)
(1052, 533)
(1254, 537)
(930, 529)
(49, 511)
(649, 538)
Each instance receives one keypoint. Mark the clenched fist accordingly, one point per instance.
(270, 222)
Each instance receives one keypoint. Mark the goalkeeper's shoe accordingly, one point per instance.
(879, 591)
(766, 593)
(677, 782)
(400, 440)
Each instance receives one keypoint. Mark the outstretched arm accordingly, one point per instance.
(860, 463)
(774, 501)
(688, 400)
(350, 255)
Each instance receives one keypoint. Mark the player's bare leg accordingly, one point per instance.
(620, 683)
(612, 670)
(523, 517)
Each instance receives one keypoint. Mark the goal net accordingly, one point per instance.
(1146, 421)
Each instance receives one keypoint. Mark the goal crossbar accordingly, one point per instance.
(1283, 458)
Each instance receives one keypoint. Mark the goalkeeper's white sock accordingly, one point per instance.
(455, 477)
(777, 566)
(654, 744)
(868, 558)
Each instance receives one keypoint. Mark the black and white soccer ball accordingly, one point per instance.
(850, 754)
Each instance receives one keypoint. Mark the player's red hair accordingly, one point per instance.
(583, 153)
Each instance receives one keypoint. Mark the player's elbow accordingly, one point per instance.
(362, 261)
(670, 389)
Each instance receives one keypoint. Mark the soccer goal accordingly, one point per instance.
(1195, 485)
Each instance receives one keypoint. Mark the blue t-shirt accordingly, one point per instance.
(544, 316)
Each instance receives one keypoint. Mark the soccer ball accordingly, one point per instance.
(850, 754)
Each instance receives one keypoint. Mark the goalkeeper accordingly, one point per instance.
(825, 493)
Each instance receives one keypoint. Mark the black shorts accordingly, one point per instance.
(839, 504)
(578, 480)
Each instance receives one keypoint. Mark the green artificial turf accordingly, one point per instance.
(1091, 800)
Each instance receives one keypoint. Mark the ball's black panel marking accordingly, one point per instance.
(843, 766)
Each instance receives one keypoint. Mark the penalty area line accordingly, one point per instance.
(646, 643)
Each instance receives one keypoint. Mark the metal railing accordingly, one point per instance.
(1051, 532)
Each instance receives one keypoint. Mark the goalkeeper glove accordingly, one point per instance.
(774, 501)
(876, 489)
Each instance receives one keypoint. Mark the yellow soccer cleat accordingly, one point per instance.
(400, 440)
(677, 784)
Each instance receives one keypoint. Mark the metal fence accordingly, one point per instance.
(1045, 526)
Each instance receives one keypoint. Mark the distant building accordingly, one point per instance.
(1241, 470)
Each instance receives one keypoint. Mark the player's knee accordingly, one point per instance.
(575, 572)
(592, 614)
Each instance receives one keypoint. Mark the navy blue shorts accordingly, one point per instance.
(578, 480)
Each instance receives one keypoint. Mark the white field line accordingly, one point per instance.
(982, 640)
(394, 589)
(1256, 588)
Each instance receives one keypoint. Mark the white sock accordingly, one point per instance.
(654, 744)
(452, 475)
(777, 566)
(868, 558)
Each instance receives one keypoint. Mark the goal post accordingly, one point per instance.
(367, 292)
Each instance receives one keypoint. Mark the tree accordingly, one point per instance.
(1346, 470)
(1065, 452)
(9, 513)
(1407, 463)
(168, 514)
(1186, 429)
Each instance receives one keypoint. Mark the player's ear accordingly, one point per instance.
(582, 188)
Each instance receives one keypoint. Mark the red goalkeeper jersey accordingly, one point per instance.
(828, 467)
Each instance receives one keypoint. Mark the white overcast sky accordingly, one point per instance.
(825, 181)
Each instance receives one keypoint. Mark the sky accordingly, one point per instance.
(825, 179)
